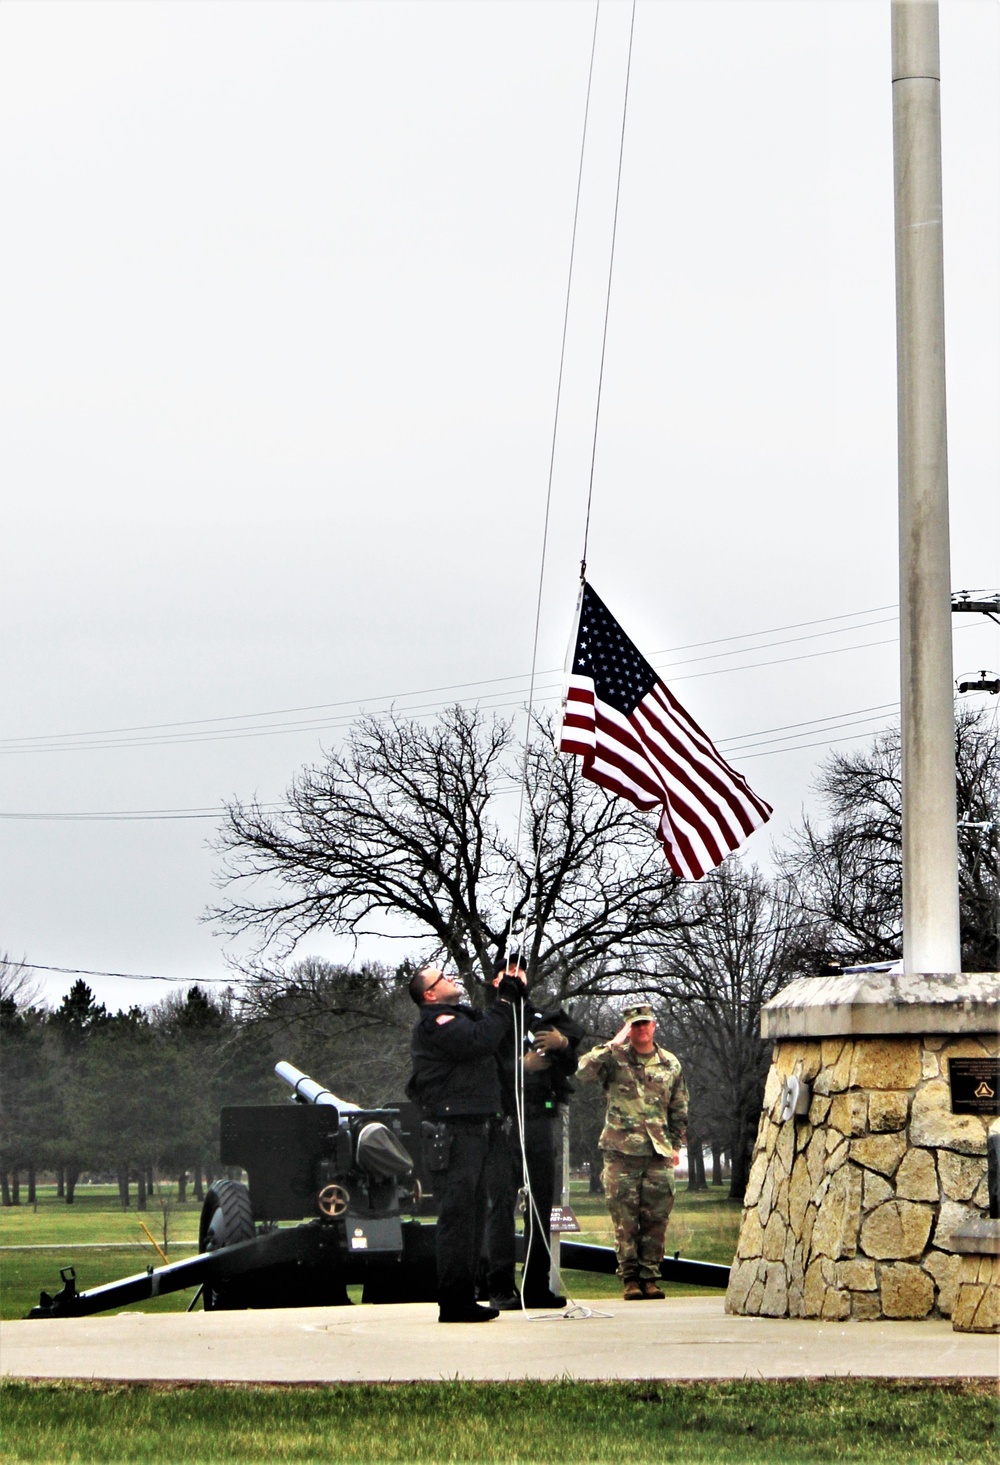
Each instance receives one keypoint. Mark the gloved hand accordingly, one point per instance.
(550, 1040)
(512, 989)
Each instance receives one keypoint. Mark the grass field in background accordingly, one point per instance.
(785, 1423)
(704, 1226)
(95, 1216)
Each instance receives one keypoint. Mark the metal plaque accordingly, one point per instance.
(975, 1085)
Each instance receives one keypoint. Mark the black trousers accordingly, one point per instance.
(461, 1192)
(503, 1173)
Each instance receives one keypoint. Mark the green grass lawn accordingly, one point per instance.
(24, 1274)
(94, 1219)
(704, 1226)
(94, 1216)
(782, 1423)
(789, 1422)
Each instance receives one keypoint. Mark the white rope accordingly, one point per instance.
(529, 711)
(537, 1228)
(607, 298)
(518, 948)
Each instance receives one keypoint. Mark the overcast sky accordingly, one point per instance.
(282, 289)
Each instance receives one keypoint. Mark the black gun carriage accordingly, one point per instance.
(355, 1182)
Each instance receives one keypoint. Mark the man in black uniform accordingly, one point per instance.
(548, 1056)
(456, 1084)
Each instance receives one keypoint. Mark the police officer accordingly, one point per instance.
(645, 1126)
(456, 1084)
(548, 1058)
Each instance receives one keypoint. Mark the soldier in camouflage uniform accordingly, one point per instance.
(645, 1125)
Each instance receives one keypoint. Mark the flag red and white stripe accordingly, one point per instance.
(636, 740)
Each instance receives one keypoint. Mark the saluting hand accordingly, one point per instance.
(621, 1036)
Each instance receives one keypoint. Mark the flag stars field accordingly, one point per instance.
(636, 740)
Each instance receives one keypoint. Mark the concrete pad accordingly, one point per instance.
(682, 1338)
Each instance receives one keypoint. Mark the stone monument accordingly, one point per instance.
(871, 1155)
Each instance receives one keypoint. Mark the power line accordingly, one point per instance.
(743, 753)
(790, 729)
(421, 710)
(134, 815)
(801, 747)
(122, 814)
(15, 744)
(811, 722)
(77, 971)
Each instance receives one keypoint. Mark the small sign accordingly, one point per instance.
(975, 1085)
(359, 1243)
(563, 1219)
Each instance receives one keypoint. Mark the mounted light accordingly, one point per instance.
(984, 681)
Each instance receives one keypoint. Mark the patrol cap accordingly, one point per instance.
(638, 1012)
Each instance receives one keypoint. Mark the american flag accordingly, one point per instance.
(636, 740)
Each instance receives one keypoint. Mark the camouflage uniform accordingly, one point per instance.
(646, 1121)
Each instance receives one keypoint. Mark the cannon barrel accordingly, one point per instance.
(309, 1091)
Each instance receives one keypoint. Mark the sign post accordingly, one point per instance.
(554, 1246)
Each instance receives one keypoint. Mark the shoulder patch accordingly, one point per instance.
(445, 1017)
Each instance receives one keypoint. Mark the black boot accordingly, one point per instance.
(543, 1299)
(454, 1307)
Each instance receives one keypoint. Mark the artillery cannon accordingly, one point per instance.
(348, 1171)
(344, 1168)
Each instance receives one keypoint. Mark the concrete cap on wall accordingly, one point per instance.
(870, 1003)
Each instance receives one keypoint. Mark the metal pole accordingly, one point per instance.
(930, 842)
(554, 1238)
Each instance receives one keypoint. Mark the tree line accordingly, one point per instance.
(410, 832)
(122, 1095)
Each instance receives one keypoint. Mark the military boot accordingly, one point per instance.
(456, 1306)
(650, 1289)
(632, 1290)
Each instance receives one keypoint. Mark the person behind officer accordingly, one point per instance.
(645, 1125)
(455, 1082)
(548, 1058)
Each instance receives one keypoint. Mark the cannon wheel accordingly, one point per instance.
(226, 1218)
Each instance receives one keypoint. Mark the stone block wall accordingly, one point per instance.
(977, 1308)
(850, 1213)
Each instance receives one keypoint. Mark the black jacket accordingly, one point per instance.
(546, 1088)
(454, 1060)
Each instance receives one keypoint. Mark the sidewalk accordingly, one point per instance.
(682, 1338)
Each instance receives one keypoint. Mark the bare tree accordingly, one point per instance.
(409, 831)
(348, 1028)
(734, 952)
(18, 984)
(848, 873)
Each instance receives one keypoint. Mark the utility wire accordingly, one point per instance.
(78, 971)
(426, 692)
(750, 740)
(393, 697)
(811, 722)
(485, 700)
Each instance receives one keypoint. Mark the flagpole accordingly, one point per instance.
(931, 941)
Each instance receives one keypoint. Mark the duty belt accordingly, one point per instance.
(464, 1121)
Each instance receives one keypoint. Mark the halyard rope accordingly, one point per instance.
(607, 298)
(535, 1225)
